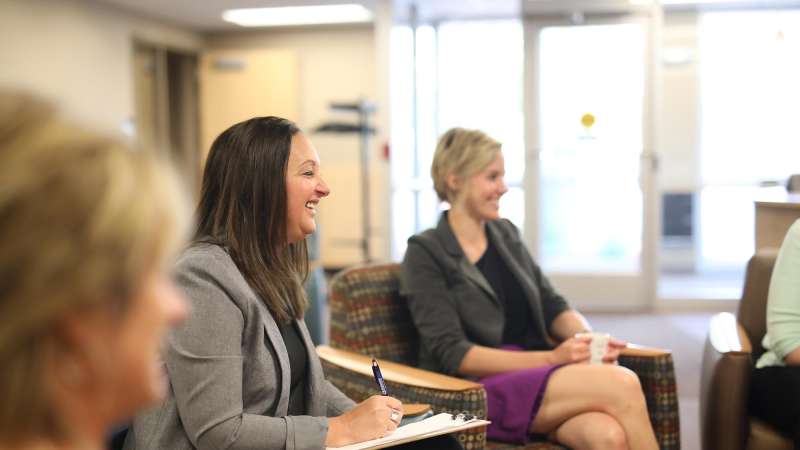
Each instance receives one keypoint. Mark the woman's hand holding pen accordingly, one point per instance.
(373, 418)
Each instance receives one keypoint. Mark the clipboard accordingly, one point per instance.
(439, 424)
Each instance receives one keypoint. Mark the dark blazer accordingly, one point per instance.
(228, 371)
(452, 303)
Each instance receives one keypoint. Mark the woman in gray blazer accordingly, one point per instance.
(484, 310)
(243, 371)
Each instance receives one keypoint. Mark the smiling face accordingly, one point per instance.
(304, 188)
(480, 195)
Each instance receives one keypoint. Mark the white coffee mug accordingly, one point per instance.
(598, 346)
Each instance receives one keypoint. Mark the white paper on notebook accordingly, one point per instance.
(432, 426)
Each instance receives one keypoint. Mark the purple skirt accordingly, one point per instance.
(513, 399)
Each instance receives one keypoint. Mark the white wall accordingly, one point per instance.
(678, 126)
(336, 63)
(79, 53)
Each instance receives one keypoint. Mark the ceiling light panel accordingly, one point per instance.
(298, 15)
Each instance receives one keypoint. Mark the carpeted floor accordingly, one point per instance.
(684, 334)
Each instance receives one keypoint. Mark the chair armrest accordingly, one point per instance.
(415, 409)
(640, 350)
(656, 373)
(393, 372)
(352, 374)
(725, 384)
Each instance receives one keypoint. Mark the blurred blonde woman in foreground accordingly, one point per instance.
(87, 228)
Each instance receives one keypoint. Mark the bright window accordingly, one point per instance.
(749, 76)
(468, 74)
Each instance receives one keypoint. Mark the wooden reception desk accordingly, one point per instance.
(775, 213)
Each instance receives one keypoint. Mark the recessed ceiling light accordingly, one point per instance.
(297, 15)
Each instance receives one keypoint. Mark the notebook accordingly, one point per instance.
(432, 426)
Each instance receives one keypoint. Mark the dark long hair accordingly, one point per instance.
(243, 208)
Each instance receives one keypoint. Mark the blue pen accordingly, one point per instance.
(378, 377)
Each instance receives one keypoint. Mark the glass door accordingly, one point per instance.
(589, 163)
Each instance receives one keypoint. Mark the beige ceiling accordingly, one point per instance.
(204, 15)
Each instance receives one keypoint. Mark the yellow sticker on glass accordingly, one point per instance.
(587, 120)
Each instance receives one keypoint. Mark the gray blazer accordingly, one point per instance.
(453, 305)
(228, 371)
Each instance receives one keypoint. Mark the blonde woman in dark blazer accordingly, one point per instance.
(88, 229)
(243, 371)
(484, 310)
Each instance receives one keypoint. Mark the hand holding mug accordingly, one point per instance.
(615, 346)
(572, 350)
(604, 348)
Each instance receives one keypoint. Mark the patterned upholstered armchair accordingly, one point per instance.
(370, 319)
